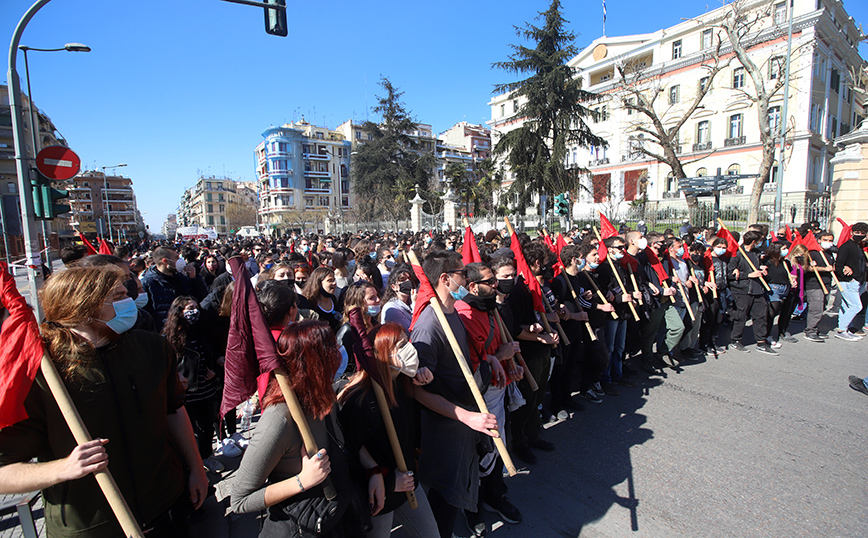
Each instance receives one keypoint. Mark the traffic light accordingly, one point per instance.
(562, 204)
(46, 198)
(275, 19)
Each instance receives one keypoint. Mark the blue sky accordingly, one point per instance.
(180, 88)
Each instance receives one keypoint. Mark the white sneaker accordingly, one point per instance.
(776, 345)
(240, 440)
(229, 449)
(213, 465)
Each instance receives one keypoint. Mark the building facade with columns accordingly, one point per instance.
(723, 133)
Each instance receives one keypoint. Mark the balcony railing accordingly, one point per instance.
(673, 194)
(317, 190)
(736, 141)
(316, 156)
(702, 146)
(314, 173)
(598, 162)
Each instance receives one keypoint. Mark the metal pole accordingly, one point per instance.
(28, 226)
(779, 191)
(108, 216)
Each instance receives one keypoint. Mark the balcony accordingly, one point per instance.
(316, 156)
(314, 173)
(678, 148)
(770, 187)
(316, 190)
(599, 162)
(702, 146)
(672, 194)
(736, 141)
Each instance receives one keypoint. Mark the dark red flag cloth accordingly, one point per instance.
(629, 261)
(20, 351)
(423, 296)
(251, 353)
(656, 264)
(363, 347)
(606, 231)
(846, 234)
(548, 240)
(469, 250)
(731, 243)
(789, 233)
(87, 245)
(560, 243)
(707, 262)
(810, 242)
(104, 247)
(524, 270)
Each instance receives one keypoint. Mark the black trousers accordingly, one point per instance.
(203, 418)
(752, 307)
(525, 421)
(708, 329)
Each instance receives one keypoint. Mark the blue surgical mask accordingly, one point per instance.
(617, 255)
(680, 252)
(580, 264)
(719, 251)
(126, 315)
(142, 300)
(373, 310)
(351, 266)
(784, 252)
(373, 255)
(461, 293)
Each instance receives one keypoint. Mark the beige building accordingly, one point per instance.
(723, 133)
(100, 201)
(218, 202)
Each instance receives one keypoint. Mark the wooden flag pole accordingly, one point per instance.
(546, 307)
(743, 253)
(303, 427)
(79, 432)
(400, 462)
(578, 305)
(601, 296)
(834, 276)
(618, 278)
(465, 369)
(506, 337)
(633, 280)
(713, 280)
(698, 291)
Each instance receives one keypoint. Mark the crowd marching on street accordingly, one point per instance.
(392, 376)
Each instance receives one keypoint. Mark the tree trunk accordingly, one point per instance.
(757, 192)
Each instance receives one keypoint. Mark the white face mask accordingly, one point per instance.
(409, 358)
(642, 243)
(825, 245)
(181, 264)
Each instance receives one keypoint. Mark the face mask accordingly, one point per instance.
(373, 255)
(450, 247)
(389, 263)
(351, 266)
(405, 287)
(428, 239)
(695, 258)
(593, 265)
(617, 255)
(642, 243)
(461, 293)
(192, 316)
(784, 252)
(305, 249)
(373, 310)
(505, 285)
(142, 300)
(268, 266)
(180, 264)
(409, 358)
(680, 252)
(825, 245)
(720, 251)
(126, 314)
(858, 238)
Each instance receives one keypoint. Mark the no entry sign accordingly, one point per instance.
(58, 163)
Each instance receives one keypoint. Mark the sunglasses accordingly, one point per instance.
(462, 272)
(492, 282)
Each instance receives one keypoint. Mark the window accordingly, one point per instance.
(676, 50)
(281, 147)
(776, 67)
(671, 183)
(502, 110)
(345, 201)
(223, 220)
(702, 172)
(345, 186)
(735, 122)
(707, 39)
(210, 208)
(630, 102)
(607, 76)
(308, 202)
(780, 13)
(738, 78)
(702, 132)
(673, 94)
(344, 170)
(703, 84)
(207, 196)
(514, 106)
(835, 81)
(358, 135)
(774, 118)
(211, 221)
(733, 170)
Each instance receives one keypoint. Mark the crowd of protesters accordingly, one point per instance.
(542, 322)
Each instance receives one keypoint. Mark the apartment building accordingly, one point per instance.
(170, 225)
(304, 177)
(214, 202)
(103, 205)
(465, 143)
(723, 133)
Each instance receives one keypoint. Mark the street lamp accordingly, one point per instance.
(108, 215)
(34, 125)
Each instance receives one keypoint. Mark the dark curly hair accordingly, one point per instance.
(176, 327)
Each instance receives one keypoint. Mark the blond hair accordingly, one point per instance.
(71, 298)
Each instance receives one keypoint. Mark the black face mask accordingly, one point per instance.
(485, 304)
(505, 285)
(696, 258)
(405, 287)
(858, 238)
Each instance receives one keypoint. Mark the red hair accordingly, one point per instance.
(310, 354)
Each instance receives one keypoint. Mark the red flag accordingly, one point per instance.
(629, 261)
(846, 234)
(810, 242)
(548, 240)
(707, 261)
(104, 247)
(731, 243)
(87, 245)
(606, 231)
(423, 296)
(656, 264)
(251, 353)
(560, 243)
(524, 270)
(788, 233)
(20, 351)
(469, 250)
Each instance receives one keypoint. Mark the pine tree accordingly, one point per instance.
(552, 109)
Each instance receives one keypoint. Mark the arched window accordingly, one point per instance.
(733, 170)
(702, 172)
(671, 184)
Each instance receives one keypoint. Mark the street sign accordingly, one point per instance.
(58, 163)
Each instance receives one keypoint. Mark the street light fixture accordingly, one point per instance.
(34, 125)
(108, 215)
